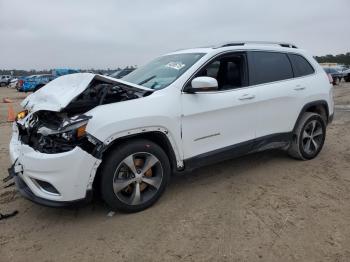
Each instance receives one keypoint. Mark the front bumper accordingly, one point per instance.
(70, 173)
(27, 193)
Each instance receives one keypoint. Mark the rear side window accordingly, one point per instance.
(265, 67)
(301, 66)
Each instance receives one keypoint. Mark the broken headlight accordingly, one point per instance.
(74, 132)
(21, 115)
(72, 129)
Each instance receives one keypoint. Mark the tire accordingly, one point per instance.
(2, 84)
(310, 131)
(127, 185)
(336, 81)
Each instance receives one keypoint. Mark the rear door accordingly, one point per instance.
(304, 76)
(278, 99)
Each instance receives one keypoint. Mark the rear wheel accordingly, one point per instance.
(337, 81)
(309, 137)
(134, 176)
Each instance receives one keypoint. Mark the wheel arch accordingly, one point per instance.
(159, 137)
(320, 107)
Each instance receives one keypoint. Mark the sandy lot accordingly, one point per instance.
(261, 207)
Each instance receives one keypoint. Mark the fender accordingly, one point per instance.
(174, 154)
(311, 104)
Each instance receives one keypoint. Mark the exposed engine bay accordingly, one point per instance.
(99, 93)
(52, 132)
(55, 132)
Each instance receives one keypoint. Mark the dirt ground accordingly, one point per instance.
(261, 207)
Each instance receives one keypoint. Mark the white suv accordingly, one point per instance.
(85, 133)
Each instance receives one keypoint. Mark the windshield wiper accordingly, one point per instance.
(146, 80)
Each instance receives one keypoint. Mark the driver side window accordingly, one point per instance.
(229, 70)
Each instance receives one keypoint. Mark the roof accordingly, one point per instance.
(244, 45)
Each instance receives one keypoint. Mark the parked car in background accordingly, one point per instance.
(64, 71)
(336, 75)
(20, 82)
(115, 73)
(5, 80)
(346, 75)
(36, 82)
(13, 83)
(341, 69)
(121, 73)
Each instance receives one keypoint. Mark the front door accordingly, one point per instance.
(214, 121)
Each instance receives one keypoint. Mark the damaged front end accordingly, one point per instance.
(54, 159)
(60, 129)
(51, 132)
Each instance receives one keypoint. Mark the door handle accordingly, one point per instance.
(246, 97)
(299, 88)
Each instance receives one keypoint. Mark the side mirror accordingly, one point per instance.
(203, 84)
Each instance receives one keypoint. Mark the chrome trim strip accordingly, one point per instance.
(204, 137)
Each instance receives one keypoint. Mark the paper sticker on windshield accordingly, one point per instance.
(175, 65)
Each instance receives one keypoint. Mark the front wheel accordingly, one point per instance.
(309, 137)
(134, 176)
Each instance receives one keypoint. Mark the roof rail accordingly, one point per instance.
(238, 43)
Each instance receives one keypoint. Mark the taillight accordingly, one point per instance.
(330, 78)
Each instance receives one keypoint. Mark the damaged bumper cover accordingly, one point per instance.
(27, 193)
(57, 179)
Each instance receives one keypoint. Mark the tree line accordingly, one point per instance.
(19, 72)
(339, 59)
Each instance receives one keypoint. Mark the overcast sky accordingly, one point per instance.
(43, 34)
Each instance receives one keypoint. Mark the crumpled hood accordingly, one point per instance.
(58, 93)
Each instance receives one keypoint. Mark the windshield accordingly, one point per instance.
(162, 71)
